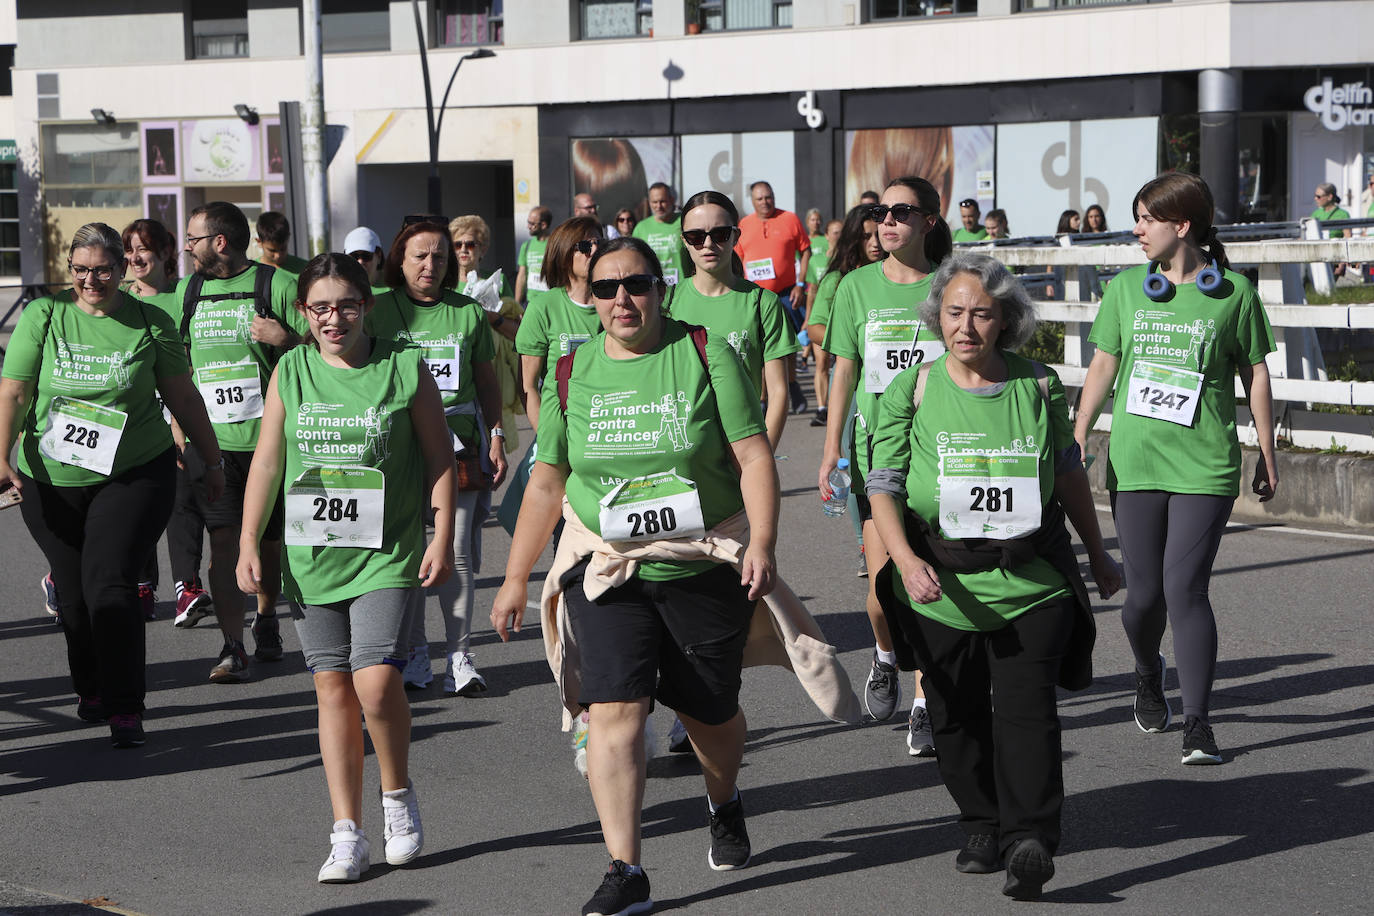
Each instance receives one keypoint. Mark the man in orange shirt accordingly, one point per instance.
(770, 241)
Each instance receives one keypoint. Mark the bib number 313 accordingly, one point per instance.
(651, 508)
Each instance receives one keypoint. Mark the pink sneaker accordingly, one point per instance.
(147, 601)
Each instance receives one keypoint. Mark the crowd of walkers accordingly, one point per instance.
(336, 429)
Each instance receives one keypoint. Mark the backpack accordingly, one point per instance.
(563, 371)
(261, 296)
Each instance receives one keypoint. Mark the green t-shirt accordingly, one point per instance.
(749, 317)
(230, 368)
(351, 418)
(666, 241)
(292, 264)
(820, 254)
(167, 301)
(554, 326)
(531, 257)
(1322, 216)
(964, 235)
(824, 303)
(109, 366)
(454, 334)
(877, 323)
(977, 465)
(1172, 342)
(653, 414)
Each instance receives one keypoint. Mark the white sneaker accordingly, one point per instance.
(462, 677)
(404, 836)
(417, 675)
(348, 859)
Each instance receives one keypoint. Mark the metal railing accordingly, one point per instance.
(1282, 253)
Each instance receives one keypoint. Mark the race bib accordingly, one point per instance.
(336, 507)
(534, 281)
(1163, 393)
(572, 341)
(762, 269)
(890, 347)
(670, 276)
(445, 364)
(231, 394)
(989, 496)
(82, 434)
(652, 508)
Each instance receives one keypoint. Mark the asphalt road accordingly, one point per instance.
(225, 808)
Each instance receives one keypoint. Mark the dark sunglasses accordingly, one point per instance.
(969, 202)
(587, 246)
(697, 237)
(362, 257)
(465, 244)
(900, 212)
(635, 285)
(414, 219)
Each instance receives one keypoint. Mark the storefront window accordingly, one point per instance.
(90, 174)
(1178, 143)
(1262, 148)
(880, 10)
(469, 22)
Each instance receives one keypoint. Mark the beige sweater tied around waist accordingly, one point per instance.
(782, 632)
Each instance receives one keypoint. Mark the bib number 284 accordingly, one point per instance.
(335, 510)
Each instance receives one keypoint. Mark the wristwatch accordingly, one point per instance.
(498, 431)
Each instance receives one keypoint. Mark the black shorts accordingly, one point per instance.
(227, 511)
(680, 642)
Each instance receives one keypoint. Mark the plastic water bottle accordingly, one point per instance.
(839, 490)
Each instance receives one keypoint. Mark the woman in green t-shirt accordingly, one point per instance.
(81, 382)
(658, 439)
(856, 244)
(353, 440)
(716, 296)
(974, 469)
(875, 331)
(1171, 336)
(455, 336)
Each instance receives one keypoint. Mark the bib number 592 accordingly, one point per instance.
(80, 435)
(652, 521)
(335, 510)
(901, 359)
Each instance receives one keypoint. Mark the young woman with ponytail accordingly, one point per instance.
(875, 332)
(1171, 335)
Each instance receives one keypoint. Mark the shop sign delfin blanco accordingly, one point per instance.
(1336, 105)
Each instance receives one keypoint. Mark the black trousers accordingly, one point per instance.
(185, 537)
(991, 699)
(96, 540)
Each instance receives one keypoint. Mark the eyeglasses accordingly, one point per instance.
(348, 310)
(721, 235)
(465, 244)
(587, 246)
(900, 212)
(414, 219)
(590, 208)
(102, 272)
(635, 285)
(362, 257)
(192, 239)
(630, 219)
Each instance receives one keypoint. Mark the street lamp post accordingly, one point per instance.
(435, 189)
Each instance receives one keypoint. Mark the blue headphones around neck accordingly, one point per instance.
(1159, 288)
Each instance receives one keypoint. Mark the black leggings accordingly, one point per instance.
(96, 540)
(185, 537)
(1168, 544)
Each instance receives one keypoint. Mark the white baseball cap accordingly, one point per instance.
(361, 239)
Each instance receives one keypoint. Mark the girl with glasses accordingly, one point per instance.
(716, 296)
(356, 498)
(455, 335)
(81, 382)
(876, 331)
(625, 221)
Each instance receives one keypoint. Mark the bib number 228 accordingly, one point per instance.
(80, 435)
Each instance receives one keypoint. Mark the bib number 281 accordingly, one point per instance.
(991, 499)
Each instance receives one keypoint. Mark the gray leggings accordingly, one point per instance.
(359, 632)
(1168, 544)
(458, 594)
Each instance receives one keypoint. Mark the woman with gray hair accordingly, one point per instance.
(974, 469)
(96, 463)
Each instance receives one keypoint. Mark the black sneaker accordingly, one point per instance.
(1029, 866)
(883, 691)
(620, 894)
(91, 709)
(1151, 709)
(820, 419)
(1199, 746)
(266, 639)
(979, 855)
(729, 838)
(232, 666)
(919, 740)
(126, 730)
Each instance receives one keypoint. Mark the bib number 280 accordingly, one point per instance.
(652, 521)
(991, 499)
(335, 510)
(80, 435)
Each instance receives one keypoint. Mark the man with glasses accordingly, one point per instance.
(585, 205)
(365, 246)
(776, 251)
(236, 317)
(972, 229)
(530, 261)
(663, 231)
